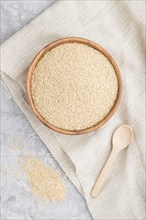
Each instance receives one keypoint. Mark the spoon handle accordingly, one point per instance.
(104, 173)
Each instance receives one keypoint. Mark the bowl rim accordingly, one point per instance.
(56, 43)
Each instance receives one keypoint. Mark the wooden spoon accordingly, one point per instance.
(121, 139)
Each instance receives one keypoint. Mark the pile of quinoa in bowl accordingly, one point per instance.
(74, 86)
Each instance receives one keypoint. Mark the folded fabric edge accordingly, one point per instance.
(31, 22)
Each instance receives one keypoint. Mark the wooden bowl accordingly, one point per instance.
(82, 41)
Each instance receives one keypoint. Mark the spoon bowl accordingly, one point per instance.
(122, 137)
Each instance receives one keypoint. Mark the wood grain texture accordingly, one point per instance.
(50, 47)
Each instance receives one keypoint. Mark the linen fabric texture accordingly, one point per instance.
(118, 26)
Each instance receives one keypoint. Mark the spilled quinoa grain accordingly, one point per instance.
(74, 86)
(16, 143)
(45, 182)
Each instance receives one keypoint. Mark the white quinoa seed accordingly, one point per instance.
(45, 182)
(16, 143)
(74, 86)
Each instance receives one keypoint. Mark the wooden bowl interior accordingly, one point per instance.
(50, 47)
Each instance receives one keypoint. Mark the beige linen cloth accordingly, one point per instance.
(119, 27)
